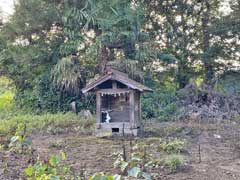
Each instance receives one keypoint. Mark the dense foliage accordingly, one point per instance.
(51, 49)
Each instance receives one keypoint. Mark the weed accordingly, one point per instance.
(58, 144)
(174, 161)
(152, 140)
(19, 142)
(172, 129)
(172, 146)
(139, 163)
(50, 169)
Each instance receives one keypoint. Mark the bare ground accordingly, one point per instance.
(219, 150)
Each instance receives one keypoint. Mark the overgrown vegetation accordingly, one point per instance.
(174, 161)
(161, 104)
(50, 169)
(50, 122)
(187, 51)
(171, 146)
(6, 93)
(139, 164)
(51, 54)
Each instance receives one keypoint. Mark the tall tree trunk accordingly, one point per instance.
(102, 59)
(183, 67)
(182, 77)
(208, 64)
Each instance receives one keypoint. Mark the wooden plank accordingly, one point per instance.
(131, 104)
(119, 116)
(114, 84)
(140, 109)
(137, 109)
(114, 90)
(98, 107)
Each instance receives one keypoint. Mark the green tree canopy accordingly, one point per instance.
(59, 45)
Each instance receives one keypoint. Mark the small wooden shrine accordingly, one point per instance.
(118, 103)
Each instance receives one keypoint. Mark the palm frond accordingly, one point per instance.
(67, 75)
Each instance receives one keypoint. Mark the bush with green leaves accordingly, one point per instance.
(7, 92)
(171, 146)
(174, 161)
(229, 83)
(46, 97)
(161, 104)
(6, 98)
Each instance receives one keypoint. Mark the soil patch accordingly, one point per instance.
(219, 149)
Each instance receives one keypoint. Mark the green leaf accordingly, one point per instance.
(20, 138)
(14, 139)
(27, 142)
(54, 178)
(123, 166)
(109, 178)
(117, 163)
(149, 164)
(63, 155)
(40, 168)
(101, 177)
(29, 171)
(114, 11)
(66, 169)
(53, 171)
(136, 157)
(146, 176)
(117, 177)
(54, 160)
(134, 172)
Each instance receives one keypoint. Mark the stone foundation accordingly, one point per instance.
(112, 129)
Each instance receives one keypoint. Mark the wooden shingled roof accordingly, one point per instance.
(123, 78)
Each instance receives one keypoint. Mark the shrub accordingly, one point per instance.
(229, 83)
(171, 146)
(44, 96)
(6, 94)
(161, 104)
(6, 99)
(174, 161)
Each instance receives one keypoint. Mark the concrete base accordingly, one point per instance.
(111, 129)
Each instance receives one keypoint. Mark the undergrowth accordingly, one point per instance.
(174, 161)
(171, 146)
(50, 122)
